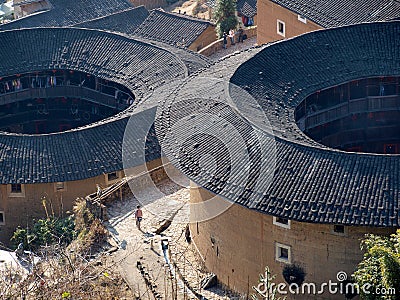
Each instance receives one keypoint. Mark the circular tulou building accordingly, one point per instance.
(291, 163)
(66, 95)
(305, 189)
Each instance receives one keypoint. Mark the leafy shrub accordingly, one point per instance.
(380, 266)
(45, 232)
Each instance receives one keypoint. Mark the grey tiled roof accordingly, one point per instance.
(170, 28)
(331, 13)
(193, 60)
(95, 149)
(247, 8)
(125, 21)
(140, 68)
(69, 156)
(309, 182)
(68, 13)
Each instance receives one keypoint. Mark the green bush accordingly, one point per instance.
(45, 232)
(380, 267)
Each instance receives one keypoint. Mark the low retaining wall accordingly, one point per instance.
(219, 44)
(150, 4)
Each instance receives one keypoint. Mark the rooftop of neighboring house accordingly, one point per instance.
(172, 28)
(332, 13)
(68, 13)
(126, 21)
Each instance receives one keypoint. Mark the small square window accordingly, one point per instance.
(283, 253)
(280, 28)
(302, 19)
(60, 186)
(112, 176)
(339, 229)
(282, 222)
(16, 188)
(2, 218)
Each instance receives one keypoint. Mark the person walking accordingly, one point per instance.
(138, 216)
(232, 36)
(225, 37)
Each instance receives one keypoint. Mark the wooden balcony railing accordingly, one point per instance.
(69, 91)
(363, 105)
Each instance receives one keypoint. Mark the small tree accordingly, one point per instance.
(380, 267)
(225, 15)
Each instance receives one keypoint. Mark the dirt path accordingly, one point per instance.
(136, 246)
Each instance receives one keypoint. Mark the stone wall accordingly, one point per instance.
(268, 15)
(238, 244)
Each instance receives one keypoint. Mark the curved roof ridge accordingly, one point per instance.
(308, 182)
(63, 30)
